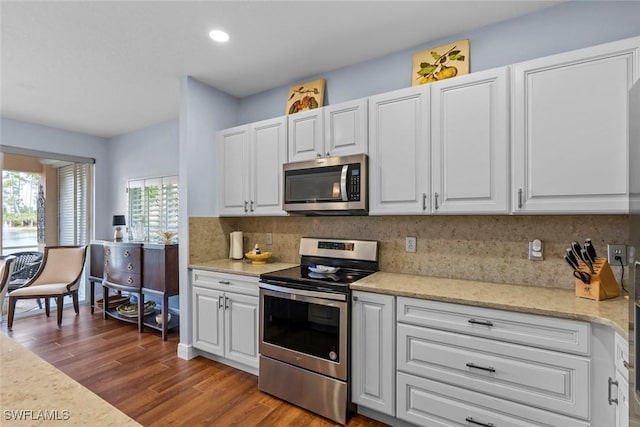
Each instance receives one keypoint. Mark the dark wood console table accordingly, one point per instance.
(140, 269)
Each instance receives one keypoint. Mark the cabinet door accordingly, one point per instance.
(470, 143)
(241, 329)
(571, 130)
(622, 412)
(399, 151)
(268, 153)
(345, 128)
(208, 320)
(233, 166)
(373, 343)
(305, 135)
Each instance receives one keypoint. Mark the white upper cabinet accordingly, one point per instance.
(470, 143)
(233, 170)
(570, 130)
(334, 130)
(399, 151)
(250, 168)
(269, 153)
(345, 128)
(306, 135)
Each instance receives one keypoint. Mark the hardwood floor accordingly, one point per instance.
(141, 375)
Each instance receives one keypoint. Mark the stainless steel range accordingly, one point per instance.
(305, 322)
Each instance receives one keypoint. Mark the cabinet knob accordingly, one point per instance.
(129, 280)
(126, 254)
(328, 154)
(355, 298)
(129, 266)
(318, 155)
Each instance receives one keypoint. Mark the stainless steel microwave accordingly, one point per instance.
(327, 186)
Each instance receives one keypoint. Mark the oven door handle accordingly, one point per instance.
(305, 293)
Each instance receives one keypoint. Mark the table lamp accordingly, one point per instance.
(118, 222)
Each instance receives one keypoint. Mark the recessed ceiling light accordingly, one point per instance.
(219, 36)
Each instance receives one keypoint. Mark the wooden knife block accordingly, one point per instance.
(603, 283)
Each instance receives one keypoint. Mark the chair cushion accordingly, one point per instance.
(38, 290)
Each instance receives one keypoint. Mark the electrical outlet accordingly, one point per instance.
(269, 239)
(536, 250)
(410, 244)
(617, 250)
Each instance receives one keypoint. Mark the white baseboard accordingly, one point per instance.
(186, 352)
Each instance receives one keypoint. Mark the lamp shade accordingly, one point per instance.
(119, 220)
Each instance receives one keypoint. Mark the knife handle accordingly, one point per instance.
(587, 260)
(571, 263)
(591, 250)
(577, 250)
(572, 257)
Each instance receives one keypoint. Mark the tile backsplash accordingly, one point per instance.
(484, 248)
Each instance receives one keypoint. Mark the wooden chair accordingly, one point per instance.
(7, 264)
(59, 275)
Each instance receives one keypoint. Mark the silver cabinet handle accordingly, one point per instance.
(609, 394)
(130, 280)
(424, 201)
(480, 322)
(482, 368)
(245, 206)
(251, 208)
(472, 421)
(220, 303)
(226, 303)
(223, 282)
(328, 154)
(519, 198)
(626, 364)
(355, 298)
(126, 254)
(129, 266)
(436, 201)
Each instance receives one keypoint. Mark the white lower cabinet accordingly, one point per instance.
(373, 355)
(459, 365)
(620, 381)
(225, 317)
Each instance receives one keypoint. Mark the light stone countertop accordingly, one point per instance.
(43, 395)
(243, 267)
(560, 303)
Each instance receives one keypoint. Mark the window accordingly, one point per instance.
(73, 204)
(19, 211)
(153, 207)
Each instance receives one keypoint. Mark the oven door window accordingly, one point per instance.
(301, 326)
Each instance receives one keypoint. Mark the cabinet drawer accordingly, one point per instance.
(246, 285)
(622, 355)
(549, 380)
(434, 404)
(122, 278)
(126, 259)
(539, 331)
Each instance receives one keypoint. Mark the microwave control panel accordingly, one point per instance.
(353, 183)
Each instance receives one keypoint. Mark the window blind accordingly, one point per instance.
(153, 207)
(73, 204)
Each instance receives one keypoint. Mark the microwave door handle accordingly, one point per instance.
(343, 183)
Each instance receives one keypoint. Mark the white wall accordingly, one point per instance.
(147, 153)
(203, 111)
(568, 26)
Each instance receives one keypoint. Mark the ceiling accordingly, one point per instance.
(110, 67)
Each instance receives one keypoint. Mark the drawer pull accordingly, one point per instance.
(478, 423)
(226, 303)
(129, 266)
(220, 303)
(626, 364)
(609, 394)
(129, 280)
(126, 254)
(484, 368)
(480, 322)
(224, 282)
